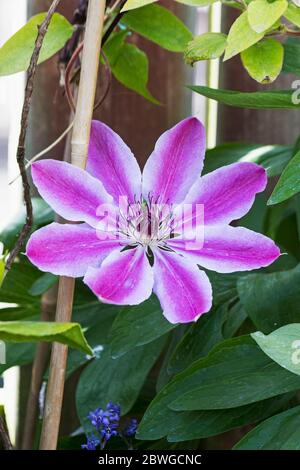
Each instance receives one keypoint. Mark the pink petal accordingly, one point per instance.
(176, 162)
(227, 249)
(124, 278)
(229, 192)
(70, 191)
(183, 290)
(68, 250)
(112, 162)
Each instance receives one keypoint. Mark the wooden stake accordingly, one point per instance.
(79, 149)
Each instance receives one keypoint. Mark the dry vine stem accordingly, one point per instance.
(79, 149)
(42, 30)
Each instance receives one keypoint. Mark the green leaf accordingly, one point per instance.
(42, 215)
(234, 374)
(2, 264)
(202, 424)
(14, 292)
(42, 284)
(280, 432)
(17, 354)
(132, 4)
(264, 60)
(117, 380)
(204, 47)
(281, 99)
(197, 3)
(262, 15)
(15, 54)
(28, 331)
(272, 157)
(271, 300)
(293, 14)
(136, 326)
(240, 36)
(282, 345)
(159, 25)
(129, 65)
(199, 339)
(291, 62)
(289, 182)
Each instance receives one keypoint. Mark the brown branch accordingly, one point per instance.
(4, 436)
(42, 30)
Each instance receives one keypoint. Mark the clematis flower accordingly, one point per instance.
(132, 260)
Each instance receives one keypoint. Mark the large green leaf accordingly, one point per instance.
(129, 65)
(15, 54)
(14, 292)
(240, 36)
(204, 47)
(289, 182)
(282, 345)
(280, 432)
(263, 61)
(43, 283)
(263, 14)
(97, 335)
(272, 157)
(234, 374)
(117, 380)
(138, 325)
(159, 25)
(271, 300)
(293, 14)
(29, 331)
(252, 100)
(42, 215)
(201, 424)
(224, 286)
(291, 62)
(199, 339)
(132, 4)
(17, 354)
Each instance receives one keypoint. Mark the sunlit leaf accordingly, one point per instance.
(263, 14)
(263, 61)
(15, 54)
(204, 47)
(240, 36)
(282, 345)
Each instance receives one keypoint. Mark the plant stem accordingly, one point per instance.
(79, 149)
(39, 366)
(4, 436)
(42, 30)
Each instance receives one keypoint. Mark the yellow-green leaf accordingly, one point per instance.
(29, 331)
(293, 14)
(15, 54)
(197, 3)
(204, 47)
(263, 61)
(263, 14)
(240, 37)
(132, 4)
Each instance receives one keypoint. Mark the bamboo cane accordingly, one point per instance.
(79, 148)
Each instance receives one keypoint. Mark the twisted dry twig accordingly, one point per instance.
(42, 30)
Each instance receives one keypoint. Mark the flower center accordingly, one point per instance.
(147, 223)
